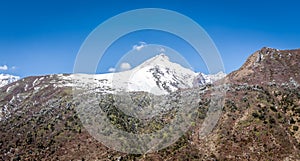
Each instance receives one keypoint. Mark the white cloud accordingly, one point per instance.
(111, 69)
(125, 66)
(4, 67)
(139, 46)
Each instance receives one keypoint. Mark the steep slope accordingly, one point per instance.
(269, 66)
(260, 120)
(157, 75)
(32, 92)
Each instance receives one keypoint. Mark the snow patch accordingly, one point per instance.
(7, 79)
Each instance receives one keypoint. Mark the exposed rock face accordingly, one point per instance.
(269, 66)
(199, 80)
(203, 79)
(260, 119)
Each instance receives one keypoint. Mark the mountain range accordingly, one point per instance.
(157, 75)
(259, 121)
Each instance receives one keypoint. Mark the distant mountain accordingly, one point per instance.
(7, 79)
(260, 118)
(202, 79)
(157, 76)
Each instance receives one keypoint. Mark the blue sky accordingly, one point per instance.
(43, 37)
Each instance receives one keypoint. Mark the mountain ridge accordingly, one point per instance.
(157, 75)
(268, 64)
(260, 119)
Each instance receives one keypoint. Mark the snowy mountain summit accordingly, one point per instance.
(157, 75)
(7, 79)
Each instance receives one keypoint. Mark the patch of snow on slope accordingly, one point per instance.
(7, 79)
(215, 77)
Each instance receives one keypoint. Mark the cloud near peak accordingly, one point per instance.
(125, 66)
(111, 69)
(4, 67)
(139, 46)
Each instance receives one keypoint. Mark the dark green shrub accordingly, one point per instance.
(295, 128)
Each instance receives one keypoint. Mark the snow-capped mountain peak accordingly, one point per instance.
(158, 59)
(157, 75)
